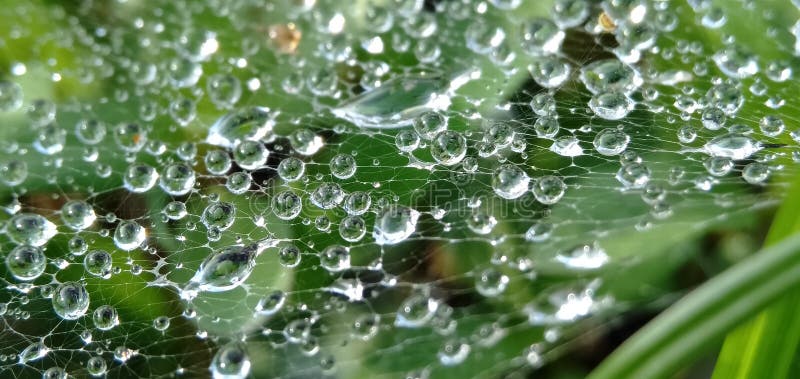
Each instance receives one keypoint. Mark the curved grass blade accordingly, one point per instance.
(703, 317)
(765, 346)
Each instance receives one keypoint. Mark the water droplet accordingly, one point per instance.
(584, 257)
(250, 155)
(416, 311)
(70, 300)
(343, 166)
(246, 124)
(335, 258)
(26, 262)
(491, 282)
(220, 215)
(33, 352)
(140, 178)
(10, 96)
(550, 72)
(510, 182)
(541, 37)
(227, 268)
(394, 224)
(98, 263)
(291, 169)
(327, 195)
(610, 75)
(13, 172)
(548, 189)
(177, 179)
(352, 228)
(105, 317)
(357, 203)
(30, 229)
(305, 142)
(289, 256)
(286, 205)
(611, 105)
(732, 145)
(129, 235)
(96, 366)
(449, 147)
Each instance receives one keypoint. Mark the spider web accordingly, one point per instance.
(482, 285)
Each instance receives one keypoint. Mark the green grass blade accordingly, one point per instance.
(765, 346)
(703, 317)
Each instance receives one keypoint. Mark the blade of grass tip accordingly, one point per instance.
(764, 346)
(702, 318)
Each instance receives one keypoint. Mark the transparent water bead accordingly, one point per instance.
(335, 258)
(26, 262)
(541, 37)
(129, 235)
(548, 189)
(327, 196)
(250, 155)
(105, 317)
(491, 282)
(610, 75)
(11, 96)
(453, 353)
(70, 300)
(732, 145)
(226, 269)
(140, 178)
(55, 372)
(287, 205)
(14, 172)
(562, 307)
(611, 105)
(448, 147)
(400, 101)
(291, 169)
(510, 182)
(567, 146)
(50, 140)
(343, 166)
(30, 229)
(96, 366)
(177, 179)
(550, 72)
(77, 214)
(245, 124)
(394, 224)
(98, 263)
(271, 304)
(220, 215)
(416, 311)
(584, 257)
(735, 62)
(230, 362)
(305, 142)
(611, 141)
(33, 352)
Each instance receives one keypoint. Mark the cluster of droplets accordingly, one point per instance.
(367, 180)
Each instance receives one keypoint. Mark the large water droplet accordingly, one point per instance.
(251, 123)
(732, 145)
(30, 229)
(26, 262)
(129, 235)
(226, 269)
(70, 300)
(510, 182)
(394, 224)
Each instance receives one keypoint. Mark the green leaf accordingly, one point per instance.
(702, 318)
(765, 346)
